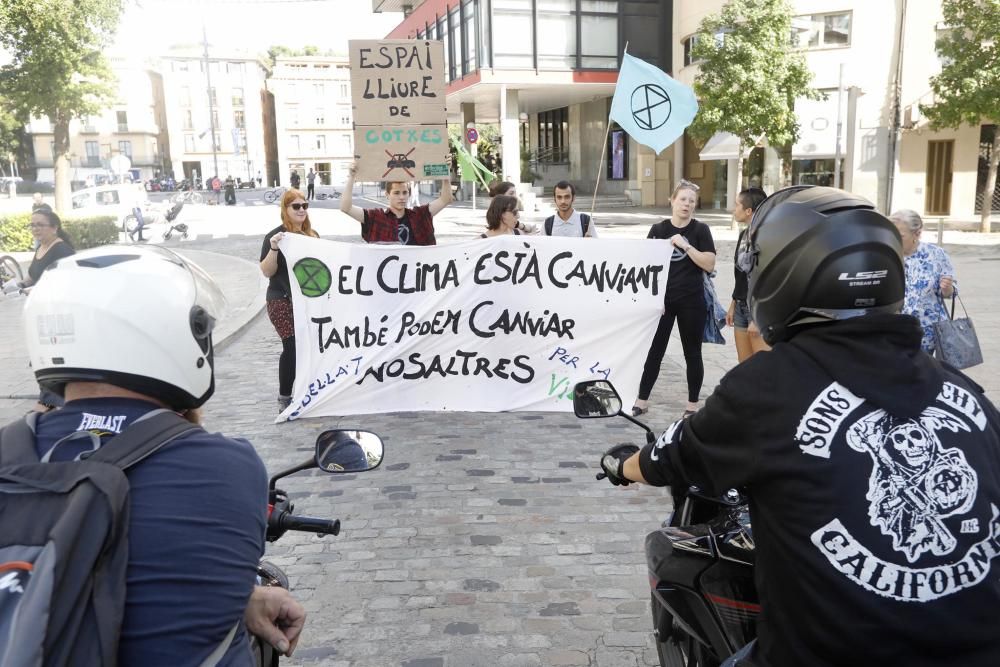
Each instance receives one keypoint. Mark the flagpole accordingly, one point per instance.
(604, 152)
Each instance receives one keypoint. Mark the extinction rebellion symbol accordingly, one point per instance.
(313, 276)
(651, 106)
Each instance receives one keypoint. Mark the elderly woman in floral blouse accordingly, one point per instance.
(930, 277)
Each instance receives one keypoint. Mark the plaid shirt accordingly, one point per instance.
(382, 225)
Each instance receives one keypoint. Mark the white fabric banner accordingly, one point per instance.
(505, 323)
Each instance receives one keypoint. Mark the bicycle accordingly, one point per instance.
(274, 194)
(189, 197)
(10, 271)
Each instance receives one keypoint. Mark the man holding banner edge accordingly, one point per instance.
(396, 224)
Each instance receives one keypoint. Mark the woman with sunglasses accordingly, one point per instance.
(53, 244)
(502, 216)
(507, 188)
(294, 220)
(692, 256)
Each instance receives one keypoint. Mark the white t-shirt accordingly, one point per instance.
(571, 227)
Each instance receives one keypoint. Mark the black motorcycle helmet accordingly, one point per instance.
(818, 254)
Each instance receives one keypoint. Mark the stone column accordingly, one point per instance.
(510, 138)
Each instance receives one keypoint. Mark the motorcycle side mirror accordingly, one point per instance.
(596, 398)
(342, 450)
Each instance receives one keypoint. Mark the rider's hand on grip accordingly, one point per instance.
(612, 462)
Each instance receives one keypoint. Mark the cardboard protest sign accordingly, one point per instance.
(499, 324)
(400, 124)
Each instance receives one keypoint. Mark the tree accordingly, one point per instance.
(57, 69)
(11, 136)
(750, 76)
(967, 91)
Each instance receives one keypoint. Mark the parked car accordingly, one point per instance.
(117, 200)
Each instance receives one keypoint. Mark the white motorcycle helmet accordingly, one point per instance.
(140, 318)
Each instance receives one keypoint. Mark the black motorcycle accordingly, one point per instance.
(340, 451)
(701, 561)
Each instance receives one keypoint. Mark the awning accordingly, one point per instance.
(723, 146)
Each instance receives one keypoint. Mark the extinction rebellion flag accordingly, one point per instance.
(652, 107)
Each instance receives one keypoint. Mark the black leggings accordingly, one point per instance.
(690, 313)
(286, 366)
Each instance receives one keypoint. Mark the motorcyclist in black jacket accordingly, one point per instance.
(873, 469)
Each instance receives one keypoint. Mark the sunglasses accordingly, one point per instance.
(296, 206)
(684, 183)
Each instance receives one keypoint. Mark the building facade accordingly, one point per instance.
(545, 71)
(312, 117)
(224, 91)
(133, 125)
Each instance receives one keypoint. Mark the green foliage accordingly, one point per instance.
(92, 232)
(11, 131)
(57, 68)
(968, 88)
(83, 232)
(528, 175)
(14, 233)
(750, 75)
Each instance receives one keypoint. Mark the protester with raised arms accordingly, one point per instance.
(396, 224)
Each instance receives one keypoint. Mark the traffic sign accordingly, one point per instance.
(472, 135)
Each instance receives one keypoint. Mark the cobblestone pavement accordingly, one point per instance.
(483, 539)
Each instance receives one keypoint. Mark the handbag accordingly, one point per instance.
(957, 343)
(716, 320)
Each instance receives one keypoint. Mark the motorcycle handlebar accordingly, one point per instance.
(308, 524)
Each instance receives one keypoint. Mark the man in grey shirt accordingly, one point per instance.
(568, 222)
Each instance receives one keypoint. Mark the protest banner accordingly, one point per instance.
(499, 324)
(397, 95)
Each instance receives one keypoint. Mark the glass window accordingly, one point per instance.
(294, 140)
(443, 31)
(553, 131)
(603, 6)
(321, 142)
(344, 92)
(345, 141)
(345, 119)
(320, 117)
(469, 36)
(122, 121)
(557, 21)
(818, 31)
(188, 120)
(238, 119)
(319, 90)
(484, 35)
(513, 26)
(125, 148)
(455, 44)
(618, 154)
(92, 149)
(599, 42)
(815, 172)
(211, 96)
(215, 117)
(237, 97)
(689, 44)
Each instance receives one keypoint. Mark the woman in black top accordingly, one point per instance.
(294, 220)
(684, 299)
(53, 244)
(748, 338)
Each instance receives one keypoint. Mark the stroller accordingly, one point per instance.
(179, 227)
